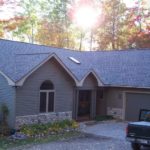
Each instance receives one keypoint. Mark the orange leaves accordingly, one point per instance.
(12, 23)
(141, 39)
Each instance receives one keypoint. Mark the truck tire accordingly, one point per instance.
(135, 146)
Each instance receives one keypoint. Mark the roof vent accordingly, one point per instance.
(74, 60)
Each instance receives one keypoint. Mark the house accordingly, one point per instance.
(41, 84)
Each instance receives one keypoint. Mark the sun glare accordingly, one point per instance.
(86, 17)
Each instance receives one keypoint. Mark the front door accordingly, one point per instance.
(84, 105)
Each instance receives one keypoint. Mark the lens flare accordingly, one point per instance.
(86, 17)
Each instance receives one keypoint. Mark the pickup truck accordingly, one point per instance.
(138, 133)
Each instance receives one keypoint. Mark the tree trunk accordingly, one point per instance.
(91, 40)
(81, 39)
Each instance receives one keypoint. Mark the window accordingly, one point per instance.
(74, 60)
(47, 97)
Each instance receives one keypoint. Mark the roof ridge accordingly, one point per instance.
(73, 50)
(58, 48)
(33, 53)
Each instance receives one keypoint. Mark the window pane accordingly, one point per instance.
(51, 102)
(42, 102)
(47, 85)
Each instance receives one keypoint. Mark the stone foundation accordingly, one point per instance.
(115, 112)
(42, 118)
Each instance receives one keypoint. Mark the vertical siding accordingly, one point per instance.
(7, 96)
(27, 96)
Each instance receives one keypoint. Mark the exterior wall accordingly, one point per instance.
(101, 104)
(115, 99)
(90, 83)
(27, 96)
(7, 96)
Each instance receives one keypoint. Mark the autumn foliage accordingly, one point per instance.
(51, 23)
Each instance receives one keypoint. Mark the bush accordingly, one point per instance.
(49, 128)
(5, 113)
(103, 118)
(4, 129)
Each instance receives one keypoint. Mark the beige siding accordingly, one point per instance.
(101, 102)
(114, 97)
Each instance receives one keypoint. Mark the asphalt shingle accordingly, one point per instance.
(115, 68)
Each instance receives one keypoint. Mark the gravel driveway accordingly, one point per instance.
(110, 129)
(101, 136)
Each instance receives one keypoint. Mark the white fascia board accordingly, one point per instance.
(10, 82)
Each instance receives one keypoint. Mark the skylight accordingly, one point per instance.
(74, 60)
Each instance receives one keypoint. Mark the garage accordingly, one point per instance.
(135, 102)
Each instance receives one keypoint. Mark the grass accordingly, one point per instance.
(6, 143)
(103, 118)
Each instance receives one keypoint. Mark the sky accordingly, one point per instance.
(9, 8)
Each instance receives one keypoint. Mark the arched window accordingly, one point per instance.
(47, 97)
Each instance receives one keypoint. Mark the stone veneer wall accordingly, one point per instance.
(115, 112)
(42, 118)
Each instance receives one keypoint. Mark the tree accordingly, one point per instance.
(50, 22)
(54, 28)
(2, 23)
(112, 30)
(8, 26)
(26, 28)
(52, 34)
(139, 21)
(141, 40)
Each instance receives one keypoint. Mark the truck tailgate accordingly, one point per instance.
(139, 130)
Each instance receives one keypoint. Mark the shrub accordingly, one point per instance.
(49, 128)
(102, 118)
(4, 129)
(5, 112)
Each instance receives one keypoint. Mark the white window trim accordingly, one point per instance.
(47, 92)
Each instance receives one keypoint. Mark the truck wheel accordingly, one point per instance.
(135, 146)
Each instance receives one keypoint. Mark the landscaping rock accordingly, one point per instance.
(18, 136)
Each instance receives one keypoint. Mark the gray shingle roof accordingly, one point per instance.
(115, 68)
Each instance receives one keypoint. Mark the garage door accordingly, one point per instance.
(135, 102)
